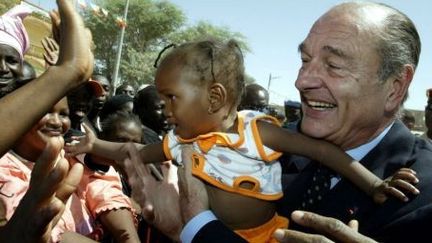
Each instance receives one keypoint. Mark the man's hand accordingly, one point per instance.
(158, 199)
(330, 228)
(51, 185)
(193, 194)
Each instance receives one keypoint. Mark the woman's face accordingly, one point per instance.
(54, 124)
(10, 68)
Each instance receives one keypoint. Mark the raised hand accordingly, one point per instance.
(402, 181)
(51, 49)
(75, 41)
(52, 182)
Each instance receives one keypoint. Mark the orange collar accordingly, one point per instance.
(208, 140)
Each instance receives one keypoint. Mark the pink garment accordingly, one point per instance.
(12, 30)
(96, 193)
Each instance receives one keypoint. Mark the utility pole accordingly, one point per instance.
(269, 82)
(119, 50)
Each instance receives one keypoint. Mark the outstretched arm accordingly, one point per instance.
(331, 156)
(117, 152)
(74, 67)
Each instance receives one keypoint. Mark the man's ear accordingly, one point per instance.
(398, 87)
(217, 97)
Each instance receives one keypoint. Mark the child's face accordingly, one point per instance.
(54, 124)
(127, 90)
(80, 103)
(125, 132)
(186, 103)
(153, 113)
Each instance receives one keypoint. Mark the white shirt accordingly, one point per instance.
(196, 223)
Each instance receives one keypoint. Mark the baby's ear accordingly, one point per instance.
(217, 97)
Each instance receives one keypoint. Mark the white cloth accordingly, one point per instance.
(226, 160)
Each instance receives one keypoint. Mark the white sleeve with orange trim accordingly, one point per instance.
(253, 138)
(172, 147)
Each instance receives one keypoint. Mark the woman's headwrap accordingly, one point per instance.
(12, 30)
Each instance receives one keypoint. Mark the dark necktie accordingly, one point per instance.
(319, 186)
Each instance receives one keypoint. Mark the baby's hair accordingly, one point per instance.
(213, 61)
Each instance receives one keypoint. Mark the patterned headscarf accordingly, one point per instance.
(12, 30)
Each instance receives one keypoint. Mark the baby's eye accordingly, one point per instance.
(171, 97)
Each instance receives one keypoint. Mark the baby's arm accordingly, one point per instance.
(328, 154)
(120, 224)
(152, 153)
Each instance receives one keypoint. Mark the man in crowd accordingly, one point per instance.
(428, 117)
(407, 117)
(292, 111)
(255, 97)
(127, 89)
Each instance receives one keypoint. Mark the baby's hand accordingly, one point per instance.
(81, 144)
(404, 179)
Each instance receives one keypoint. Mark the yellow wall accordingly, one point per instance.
(37, 30)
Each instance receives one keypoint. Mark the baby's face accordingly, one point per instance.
(186, 101)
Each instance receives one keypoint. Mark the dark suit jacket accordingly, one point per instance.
(394, 221)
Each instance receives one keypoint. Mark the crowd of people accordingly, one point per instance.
(200, 156)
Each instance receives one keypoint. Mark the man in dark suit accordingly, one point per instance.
(358, 61)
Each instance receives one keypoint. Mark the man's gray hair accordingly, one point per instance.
(398, 44)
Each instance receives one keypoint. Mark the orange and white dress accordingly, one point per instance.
(225, 160)
(228, 159)
(95, 194)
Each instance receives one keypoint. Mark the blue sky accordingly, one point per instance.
(274, 29)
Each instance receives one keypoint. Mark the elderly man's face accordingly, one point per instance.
(10, 68)
(342, 99)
